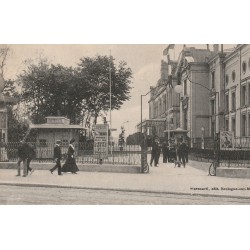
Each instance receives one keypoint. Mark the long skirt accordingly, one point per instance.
(70, 165)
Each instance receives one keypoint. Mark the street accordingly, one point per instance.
(16, 195)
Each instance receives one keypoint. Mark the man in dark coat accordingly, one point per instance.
(155, 152)
(183, 150)
(22, 157)
(165, 151)
(57, 158)
(30, 152)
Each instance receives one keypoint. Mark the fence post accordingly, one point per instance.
(144, 149)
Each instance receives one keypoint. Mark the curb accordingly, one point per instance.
(123, 190)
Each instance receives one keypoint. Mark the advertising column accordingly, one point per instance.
(101, 141)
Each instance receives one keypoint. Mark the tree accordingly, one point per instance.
(52, 90)
(81, 93)
(95, 73)
(4, 51)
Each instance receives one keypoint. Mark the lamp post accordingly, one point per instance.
(202, 138)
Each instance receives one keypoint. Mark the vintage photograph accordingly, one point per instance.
(125, 124)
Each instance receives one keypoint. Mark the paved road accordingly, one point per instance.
(16, 195)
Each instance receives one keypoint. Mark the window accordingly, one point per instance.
(244, 67)
(226, 125)
(233, 76)
(227, 79)
(212, 107)
(243, 125)
(233, 125)
(2, 120)
(65, 142)
(233, 102)
(164, 103)
(185, 87)
(226, 103)
(243, 95)
(42, 143)
(213, 80)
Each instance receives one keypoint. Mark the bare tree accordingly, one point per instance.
(4, 51)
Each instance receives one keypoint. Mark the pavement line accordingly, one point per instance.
(123, 190)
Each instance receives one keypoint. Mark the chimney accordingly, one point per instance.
(207, 46)
(216, 48)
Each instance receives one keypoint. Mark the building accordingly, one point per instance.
(213, 93)
(237, 93)
(55, 128)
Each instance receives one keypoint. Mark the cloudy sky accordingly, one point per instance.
(144, 60)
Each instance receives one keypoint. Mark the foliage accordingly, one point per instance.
(96, 72)
(80, 93)
(17, 129)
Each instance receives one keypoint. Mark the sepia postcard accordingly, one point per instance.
(133, 124)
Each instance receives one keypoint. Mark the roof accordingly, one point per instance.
(56, 126)
(7, 99)
(178, 130)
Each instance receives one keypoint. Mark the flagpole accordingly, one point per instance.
(110, 95)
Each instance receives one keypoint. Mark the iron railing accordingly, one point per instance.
(84, 152)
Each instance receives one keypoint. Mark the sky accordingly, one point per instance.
(143, 59)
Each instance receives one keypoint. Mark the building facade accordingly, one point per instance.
(213, 96)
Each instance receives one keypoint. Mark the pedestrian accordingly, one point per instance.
(183, 149)
(30, 152)
(22, 157)
(155, 152)
(165, 151)
(3, 151)
(70, 163)
(57, 158)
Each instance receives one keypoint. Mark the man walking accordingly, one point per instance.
(30, 151)
(22, 157)
(57, 157)
(183, 151)
(155, 152)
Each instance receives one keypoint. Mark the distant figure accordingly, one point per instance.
(155, 152)
(3, 152)
(70, 164)
(182, 152)
(22, 157)
(57, 158)
(165, 151)
(30, 153)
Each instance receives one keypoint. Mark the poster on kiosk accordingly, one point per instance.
(101, 140)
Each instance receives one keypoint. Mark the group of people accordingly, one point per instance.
(177, 152)
(26, 153)
(70, 163)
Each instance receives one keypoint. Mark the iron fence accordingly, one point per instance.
(84, 152)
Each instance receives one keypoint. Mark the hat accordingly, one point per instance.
(72, 140)
(58, 141)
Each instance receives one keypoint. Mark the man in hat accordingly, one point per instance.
(155, 152)
(57, 158)
(22, 157)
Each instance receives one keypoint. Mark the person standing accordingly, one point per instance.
(70, 164)
(165, 151)
(30, 152)
(22, 157)
(57, 158)
(183, 149)
(155, 152)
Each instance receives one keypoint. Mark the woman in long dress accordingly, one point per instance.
(70, 163)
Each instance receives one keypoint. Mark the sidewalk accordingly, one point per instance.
(165, 178)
